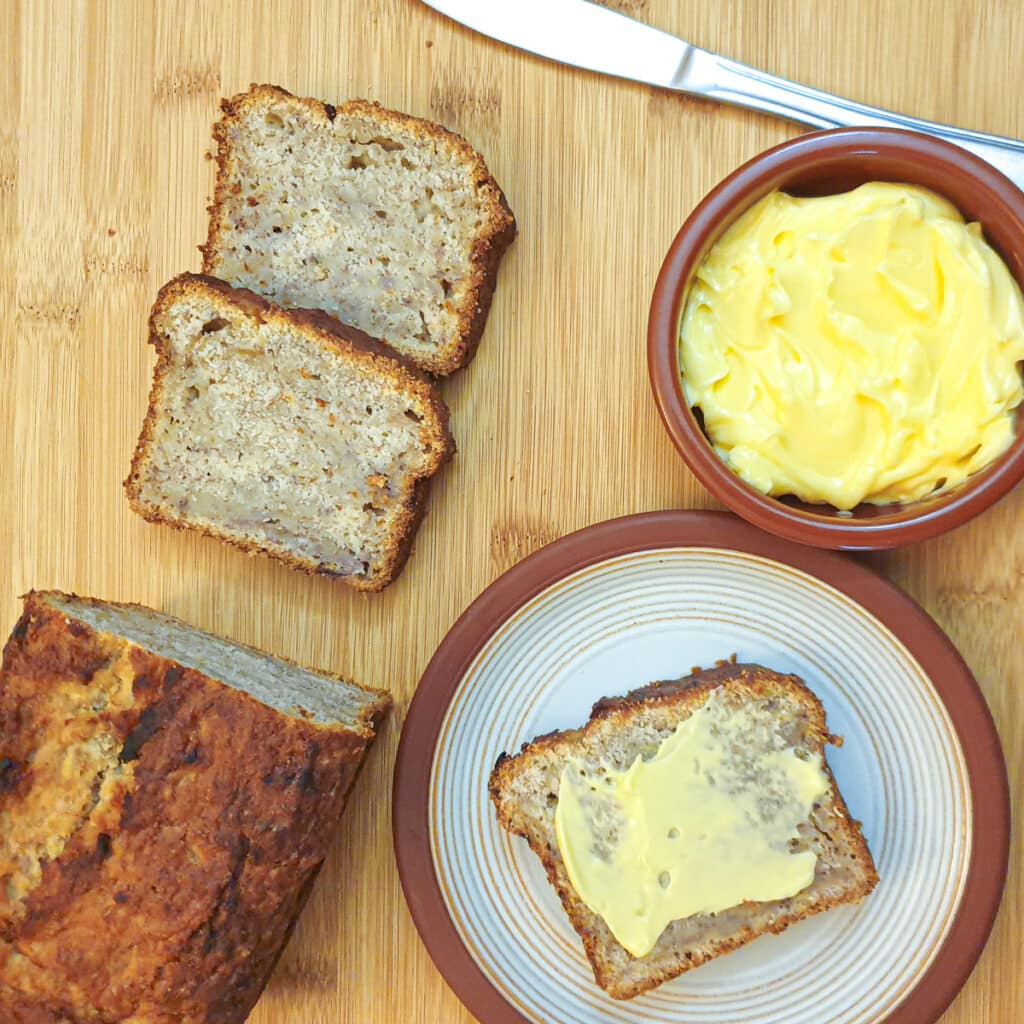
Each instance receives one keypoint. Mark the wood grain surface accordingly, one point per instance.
(103, 187)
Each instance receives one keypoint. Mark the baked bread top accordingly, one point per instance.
(524, 789)
(166, 800)
(285, 432)
(390, 223)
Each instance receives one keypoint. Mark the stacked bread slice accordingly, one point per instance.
(285, 433)
(352, 251)
(388, 222)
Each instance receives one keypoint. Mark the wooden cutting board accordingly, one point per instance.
(103, 186)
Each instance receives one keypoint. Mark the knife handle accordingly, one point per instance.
(714, 77)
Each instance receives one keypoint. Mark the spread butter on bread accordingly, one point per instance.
(781, 720)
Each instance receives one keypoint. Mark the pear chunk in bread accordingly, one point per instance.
(781, 715)
(285, 432)
(390, 223)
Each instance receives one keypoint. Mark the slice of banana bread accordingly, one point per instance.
(285, 432)
(166, 800)
(388, 222)
(783, 713)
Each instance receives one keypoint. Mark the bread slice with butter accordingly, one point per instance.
(763, 722)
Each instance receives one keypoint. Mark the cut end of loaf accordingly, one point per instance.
(314, 697)
(286, 433)
(390, 223)
(524, 790)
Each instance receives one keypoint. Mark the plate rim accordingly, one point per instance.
(948, 673)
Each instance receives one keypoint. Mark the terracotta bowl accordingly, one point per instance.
(824, 163)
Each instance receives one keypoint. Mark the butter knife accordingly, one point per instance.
(586, 35)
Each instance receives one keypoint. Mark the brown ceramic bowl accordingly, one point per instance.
(824, 163)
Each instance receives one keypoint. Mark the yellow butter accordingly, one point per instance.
(854, 347)
(702, 825)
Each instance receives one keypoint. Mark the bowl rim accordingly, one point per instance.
(913, 522)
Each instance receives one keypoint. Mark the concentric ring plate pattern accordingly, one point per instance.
(653, 614)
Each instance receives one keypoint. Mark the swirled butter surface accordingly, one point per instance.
(703, 824)
(854, 347)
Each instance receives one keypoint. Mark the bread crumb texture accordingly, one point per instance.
(285, 432)
(390, 223)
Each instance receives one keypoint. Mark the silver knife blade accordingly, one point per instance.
(585, 35)
(579, 33)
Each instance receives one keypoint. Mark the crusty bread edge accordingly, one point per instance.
(497, 234)
(360, 737)
(692, 690)
(37, 603)
(332, 334)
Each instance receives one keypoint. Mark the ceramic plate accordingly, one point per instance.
(644, 598)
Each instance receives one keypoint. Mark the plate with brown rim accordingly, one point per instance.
(646, 597)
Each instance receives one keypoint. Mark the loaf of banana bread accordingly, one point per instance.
(166, 800)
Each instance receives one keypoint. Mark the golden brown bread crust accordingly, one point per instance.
(686, 695)
(497, 234)
(19, 1008)
(347, 341)
(171, 897)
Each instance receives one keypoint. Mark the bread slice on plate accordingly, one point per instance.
(285, 432)
(167, 798)
(390, 223)
(783, 714)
